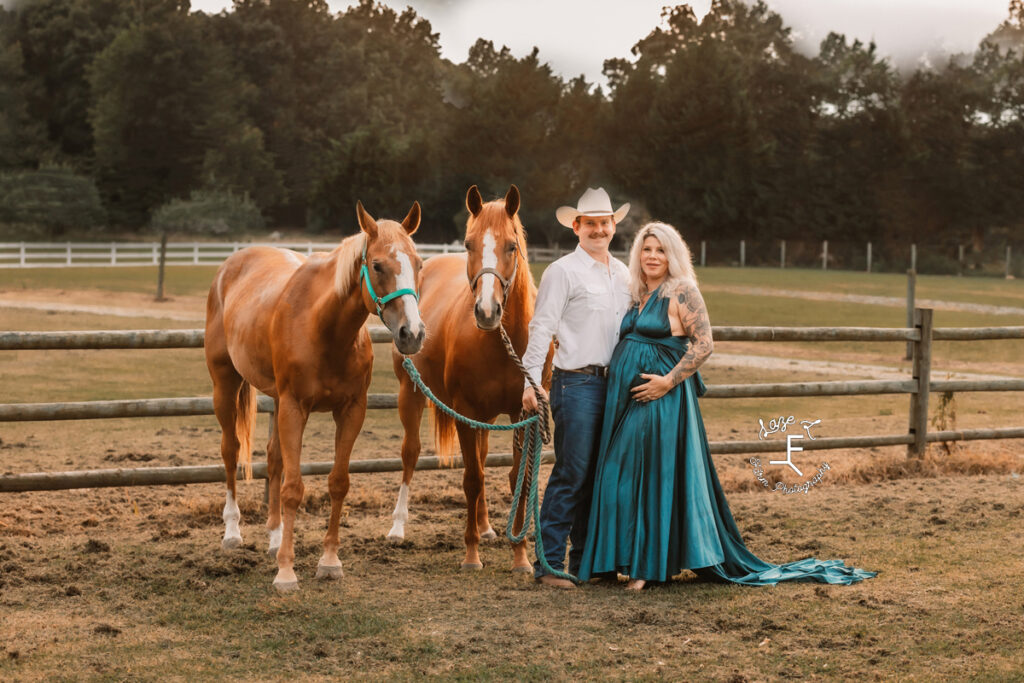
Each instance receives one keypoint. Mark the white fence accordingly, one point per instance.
(72, 254)
(78, 254)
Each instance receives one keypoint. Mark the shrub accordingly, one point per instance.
(208, 212)
(49, 202)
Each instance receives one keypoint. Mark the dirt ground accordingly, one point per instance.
(132, 583)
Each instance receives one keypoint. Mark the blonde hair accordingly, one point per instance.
(680, 261)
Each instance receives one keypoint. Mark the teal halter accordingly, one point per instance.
(381, 301)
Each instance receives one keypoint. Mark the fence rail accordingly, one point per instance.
(918, 387)
(82, 254)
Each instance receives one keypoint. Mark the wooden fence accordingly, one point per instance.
(918, 386)
(78, 254)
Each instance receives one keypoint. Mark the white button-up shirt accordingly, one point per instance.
(581, 301)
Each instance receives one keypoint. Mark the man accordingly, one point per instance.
(581, 301)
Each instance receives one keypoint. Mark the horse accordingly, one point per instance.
(464, 362)
(293, 328)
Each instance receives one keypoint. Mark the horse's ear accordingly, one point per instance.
(474, 202)
(412, 219)
(366, 222)
(512, 201)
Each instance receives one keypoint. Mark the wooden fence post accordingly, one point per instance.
(160, 270)
(21, 254)
(1008, 272)
(743, 254)
(703, 253)
(782, 254)
(869, 257)
(922, 376)
(911, 295)
(824, 255)
(960, 259)
(913, 257)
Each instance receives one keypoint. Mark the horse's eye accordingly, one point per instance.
(511, 248)
(377, 267)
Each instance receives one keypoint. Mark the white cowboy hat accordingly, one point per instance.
(592, 203)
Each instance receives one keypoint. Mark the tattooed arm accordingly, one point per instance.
(692, 316)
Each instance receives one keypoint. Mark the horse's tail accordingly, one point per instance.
(444, 435)
(245, 420)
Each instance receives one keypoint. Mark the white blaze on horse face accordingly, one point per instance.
(485, 288)
(406, 279)
(232, 534)
(401, 513)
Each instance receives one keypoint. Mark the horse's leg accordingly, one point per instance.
(410, 411)
(473, 486)
(291, 422)
(274, 467)
(483, 521)
(348, 421)
(226, 384)
(520, 560)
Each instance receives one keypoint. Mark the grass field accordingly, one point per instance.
(131, 583)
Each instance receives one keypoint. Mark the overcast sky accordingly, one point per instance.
(576, 36)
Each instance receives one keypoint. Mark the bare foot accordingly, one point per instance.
(636, 585)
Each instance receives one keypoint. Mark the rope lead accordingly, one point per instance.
(530, 433)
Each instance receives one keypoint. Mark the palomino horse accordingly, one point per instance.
(294, 329)
(463, 360)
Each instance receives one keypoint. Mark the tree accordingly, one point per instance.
(712, 120)
(22, 138)
(165, 95)
(854, 181)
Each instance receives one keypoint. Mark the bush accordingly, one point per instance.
(49, 202)
(208, 212)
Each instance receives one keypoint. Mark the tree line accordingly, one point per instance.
(717, 125)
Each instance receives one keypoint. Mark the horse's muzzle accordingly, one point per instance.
(409, 342)
(487, 322)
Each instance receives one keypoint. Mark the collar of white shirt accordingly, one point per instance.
(589, 261)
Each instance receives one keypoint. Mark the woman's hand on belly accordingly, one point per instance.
(654, 388)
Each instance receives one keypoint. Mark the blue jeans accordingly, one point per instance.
(577, 406)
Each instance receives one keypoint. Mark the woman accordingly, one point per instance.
(658, 507)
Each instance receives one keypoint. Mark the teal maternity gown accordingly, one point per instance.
(657, 506)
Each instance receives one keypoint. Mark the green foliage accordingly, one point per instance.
(166, 95)
(22, 138)
(717, 125)
(49, 202)
(208, 213)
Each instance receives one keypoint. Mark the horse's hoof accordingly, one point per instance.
(285, 587)
(396, 538)
(471, 566)
(272, 552)
(488, 535)
(231, 542)
(527, 569)
(324, 571)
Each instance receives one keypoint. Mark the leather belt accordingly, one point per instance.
(595, 370)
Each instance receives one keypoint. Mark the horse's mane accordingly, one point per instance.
(347, 256)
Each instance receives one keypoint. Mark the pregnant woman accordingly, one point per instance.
(657, 506)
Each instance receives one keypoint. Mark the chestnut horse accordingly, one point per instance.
(464, 362)
(294, 328)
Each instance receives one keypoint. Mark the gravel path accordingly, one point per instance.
(893, 301)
